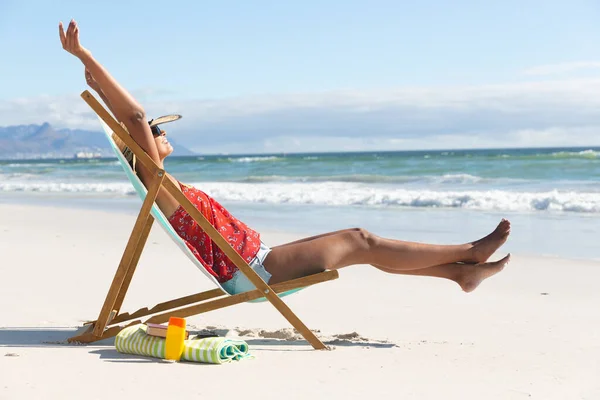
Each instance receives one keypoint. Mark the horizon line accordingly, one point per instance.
(284, 153)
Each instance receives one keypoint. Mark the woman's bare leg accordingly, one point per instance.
(468, 276)
(357, 246)
(306, 239)
(486, 243)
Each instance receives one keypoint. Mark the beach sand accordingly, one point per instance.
(532, 331)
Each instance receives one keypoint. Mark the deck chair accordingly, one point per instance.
(111, 320)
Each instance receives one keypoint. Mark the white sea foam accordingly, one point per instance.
(254, 159)
(116, 188)
(583, 154)
(351, 194)
(30, 165)
(344, 194)
(18, 176)
(589, 153)
(455, 179)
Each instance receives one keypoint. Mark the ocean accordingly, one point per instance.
(552, 195)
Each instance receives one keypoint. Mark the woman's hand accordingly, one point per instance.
(89, 79)
(70, 40)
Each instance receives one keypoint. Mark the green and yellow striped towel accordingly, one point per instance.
(214, 350)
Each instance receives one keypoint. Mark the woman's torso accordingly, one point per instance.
(244, 240)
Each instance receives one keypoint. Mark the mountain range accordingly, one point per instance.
(44, 141)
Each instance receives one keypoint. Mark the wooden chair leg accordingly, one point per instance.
(133, 266)
(90, 337)
(130, 250)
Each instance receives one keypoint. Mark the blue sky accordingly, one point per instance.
(319, 75)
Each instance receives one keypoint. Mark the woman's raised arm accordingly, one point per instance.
(125, 108)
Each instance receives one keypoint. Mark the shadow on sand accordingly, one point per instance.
(27, 337)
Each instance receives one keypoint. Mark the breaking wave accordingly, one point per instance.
(352, 194)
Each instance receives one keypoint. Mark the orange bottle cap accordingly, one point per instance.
(180, 322)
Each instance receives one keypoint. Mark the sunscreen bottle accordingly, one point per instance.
(175, 338)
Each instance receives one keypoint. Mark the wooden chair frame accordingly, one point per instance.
(109, 321)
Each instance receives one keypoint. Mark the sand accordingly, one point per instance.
(532, 331)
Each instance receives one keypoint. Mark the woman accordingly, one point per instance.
(465, 264)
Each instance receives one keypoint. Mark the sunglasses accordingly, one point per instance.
(156, 132)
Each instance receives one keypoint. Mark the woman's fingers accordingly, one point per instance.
(67, 40)
(76, 37)
(61, 34)
(70, 35)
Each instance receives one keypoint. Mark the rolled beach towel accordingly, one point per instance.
(214, 350)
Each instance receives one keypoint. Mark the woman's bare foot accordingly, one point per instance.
(483, 249)
(473, 274)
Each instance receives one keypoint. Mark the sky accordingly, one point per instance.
(292, 76)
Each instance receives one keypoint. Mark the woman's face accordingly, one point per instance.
(163, 145)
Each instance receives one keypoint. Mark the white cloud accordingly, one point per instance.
(561, 68)
(527, 114)
(552, 137)
(63, 111)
